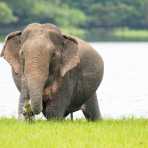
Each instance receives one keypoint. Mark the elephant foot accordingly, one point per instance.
(91, 109)
(53, 115)
(21, 117)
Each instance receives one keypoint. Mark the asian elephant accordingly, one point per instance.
(58, 73)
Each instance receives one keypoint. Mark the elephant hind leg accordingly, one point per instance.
(91, 109)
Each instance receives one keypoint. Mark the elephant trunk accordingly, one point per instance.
(36, 69)
(35, 93)
(36, 82)
(36, 104)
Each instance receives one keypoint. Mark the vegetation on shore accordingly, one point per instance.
(90, 19)
(2, 38)
(126, 34)
(126, 133)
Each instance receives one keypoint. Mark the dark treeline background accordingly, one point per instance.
(94, 20)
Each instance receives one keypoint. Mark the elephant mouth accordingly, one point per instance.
(48, 94)
(52, 89)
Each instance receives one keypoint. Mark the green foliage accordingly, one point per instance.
(108, 14)
(74, 31)
(2, 38)
(6, 15)
(19, 7)
(65, 17)
(128, 133)
(80, 18)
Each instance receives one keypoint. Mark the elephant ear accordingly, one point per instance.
(67, 56)
(70, 55)
(10, 50)
(65, 59)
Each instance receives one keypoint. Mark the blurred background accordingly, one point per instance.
(93, 20)
(117, 29)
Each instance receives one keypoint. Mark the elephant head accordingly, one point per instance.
(41, 54)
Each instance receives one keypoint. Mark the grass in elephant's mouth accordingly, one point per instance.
(128, 133)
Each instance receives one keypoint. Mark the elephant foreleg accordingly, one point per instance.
(91, 109)
(21, 107)
(53, 111)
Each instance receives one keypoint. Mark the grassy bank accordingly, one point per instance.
(96, 35)
(117, 34)
(130, 34)
(78, 134)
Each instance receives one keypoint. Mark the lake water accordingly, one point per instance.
(123, 92)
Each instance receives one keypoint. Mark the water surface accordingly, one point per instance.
(123, 92)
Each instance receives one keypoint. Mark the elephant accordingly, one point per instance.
(58, 73)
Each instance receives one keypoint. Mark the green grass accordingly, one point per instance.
(129, 133)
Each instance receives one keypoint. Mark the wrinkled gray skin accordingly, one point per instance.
(58, 73)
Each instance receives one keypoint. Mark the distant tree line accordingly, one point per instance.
(78, 17)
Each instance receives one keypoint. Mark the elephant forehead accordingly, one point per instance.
(33, 26)
(42, 27)
(37, 44)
